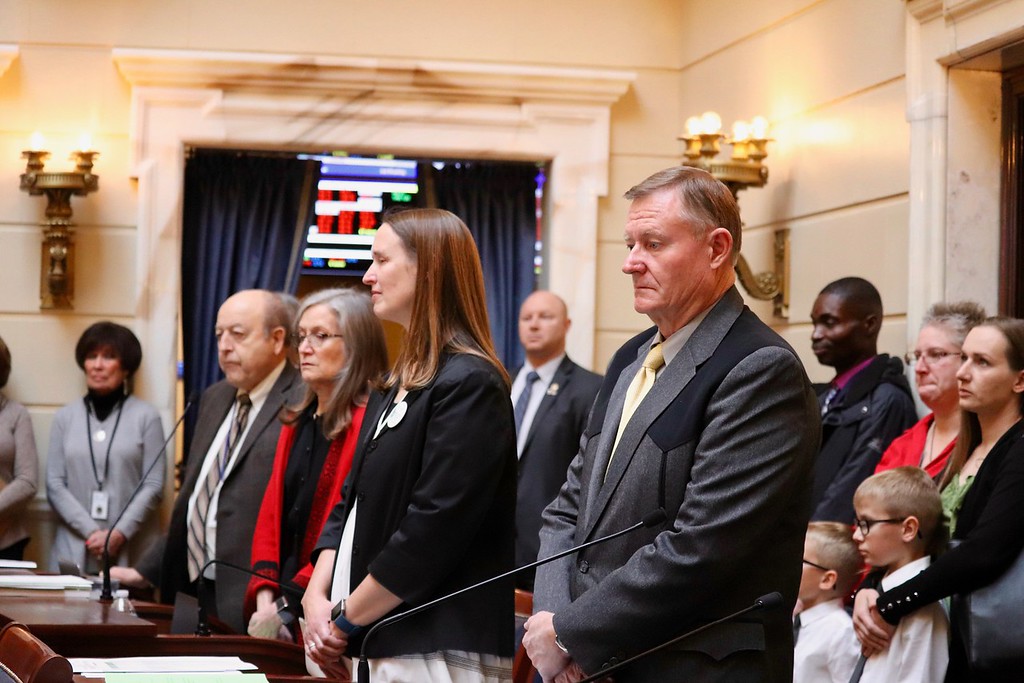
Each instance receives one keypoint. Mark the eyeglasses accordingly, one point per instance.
(316, 339)
(933, 356)
(865, 524)
(816, 565)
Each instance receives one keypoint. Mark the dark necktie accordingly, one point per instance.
(796, 628)
(829, 398)
(524, 398)
(858, 670)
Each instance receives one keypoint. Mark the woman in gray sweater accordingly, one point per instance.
(19, 467)
(99, 448)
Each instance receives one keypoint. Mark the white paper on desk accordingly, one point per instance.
(50, 583)
(209, 664)
(18, 564)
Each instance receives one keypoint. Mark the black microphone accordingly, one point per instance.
(107, 595)
(768, 601)
(203, 625)
(651, 519)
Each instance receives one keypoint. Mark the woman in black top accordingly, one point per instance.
(990, 526)
(429, 504)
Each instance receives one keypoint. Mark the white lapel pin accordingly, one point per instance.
(553, 389)
(396, 414)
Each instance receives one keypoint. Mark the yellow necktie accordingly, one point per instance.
(638, 388)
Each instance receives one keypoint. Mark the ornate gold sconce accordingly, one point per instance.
(744, 168)
(57, 282)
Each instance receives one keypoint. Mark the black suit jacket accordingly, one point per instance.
(165, 563)
(724, 442)
(552, 443)
(435, 496)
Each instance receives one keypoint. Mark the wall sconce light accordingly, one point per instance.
(743, 169)
(57, 284)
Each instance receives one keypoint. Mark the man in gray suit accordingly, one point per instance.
(709, 416)
(214, 516)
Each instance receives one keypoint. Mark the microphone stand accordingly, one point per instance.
(764, 602)
(107, 595)
(202, 624)
(651, 519)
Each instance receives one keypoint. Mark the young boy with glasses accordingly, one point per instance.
(826, 648)
(898, 528)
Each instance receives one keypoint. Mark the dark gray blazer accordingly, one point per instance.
(165, 563)
(552, 443)
(725, 443)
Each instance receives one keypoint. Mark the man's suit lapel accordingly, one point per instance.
(669, 385)
(267, 415)
(613, 413)
(214, 409)
(563, 375)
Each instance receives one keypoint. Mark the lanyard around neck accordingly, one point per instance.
(110, 442)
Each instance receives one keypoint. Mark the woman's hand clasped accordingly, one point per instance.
(873, 632)
(324, 642)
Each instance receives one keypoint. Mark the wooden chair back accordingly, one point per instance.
(29, 658)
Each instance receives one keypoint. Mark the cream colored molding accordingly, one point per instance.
(950, 10)
(940, 35)
(955, 10)
(384, 77)
(8, 53)
(925, 10)
(360, 105)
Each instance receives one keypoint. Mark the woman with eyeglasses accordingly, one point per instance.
(432, 493)
(341, 351)
(100, 447)
(935, 359)
(988, 459)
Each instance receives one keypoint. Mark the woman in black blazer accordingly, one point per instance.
(989, 457)
(429, 505)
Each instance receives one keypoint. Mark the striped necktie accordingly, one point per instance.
(197, 549)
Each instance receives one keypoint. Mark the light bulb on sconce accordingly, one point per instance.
(743, 169)
(56, 288)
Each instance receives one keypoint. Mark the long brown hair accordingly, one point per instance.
(449, 309)
(969, 437)
(366, 357)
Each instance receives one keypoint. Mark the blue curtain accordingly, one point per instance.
(243, 219)
(497, 202)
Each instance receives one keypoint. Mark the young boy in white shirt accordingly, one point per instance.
(898, 525)
(826, 648)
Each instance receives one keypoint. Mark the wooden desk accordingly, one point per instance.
(79, 627)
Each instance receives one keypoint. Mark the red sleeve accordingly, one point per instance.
(328, 489)
(906, 448)
(266, 540)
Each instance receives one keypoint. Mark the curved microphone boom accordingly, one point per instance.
(202, 625)
(107, 595)
(651, 519)
(767, 601)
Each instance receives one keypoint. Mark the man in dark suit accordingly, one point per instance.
(552, 398)
(215, 513)
(866, 405)
(709, 416)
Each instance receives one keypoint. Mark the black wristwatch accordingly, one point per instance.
(346, 626)
(282, 605)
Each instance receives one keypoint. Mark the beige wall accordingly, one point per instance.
(829, 74)
(830, 77)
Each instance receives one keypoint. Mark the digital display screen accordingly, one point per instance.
(352, 195)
